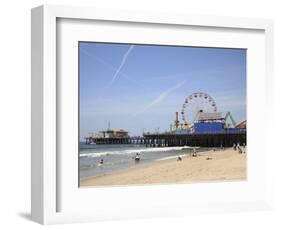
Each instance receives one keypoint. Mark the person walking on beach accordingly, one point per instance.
(244, 148)
(234, 146)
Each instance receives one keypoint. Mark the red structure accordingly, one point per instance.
(242, 125)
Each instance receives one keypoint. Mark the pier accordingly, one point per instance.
(116, 140)
(225, 139)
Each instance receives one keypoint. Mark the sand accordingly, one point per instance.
(208, 166)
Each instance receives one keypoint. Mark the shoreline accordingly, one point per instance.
(219, 165)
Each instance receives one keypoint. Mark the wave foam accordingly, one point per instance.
(133, 151)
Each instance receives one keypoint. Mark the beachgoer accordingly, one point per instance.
(244, 148)
(234, 146)
(194, 154)
(137, 157)
(239, 148)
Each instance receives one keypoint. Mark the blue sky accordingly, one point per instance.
(140, 87)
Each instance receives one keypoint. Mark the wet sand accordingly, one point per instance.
(208, 166)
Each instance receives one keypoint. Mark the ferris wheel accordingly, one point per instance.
(197, 102)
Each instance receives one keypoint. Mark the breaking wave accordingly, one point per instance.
(132, 151)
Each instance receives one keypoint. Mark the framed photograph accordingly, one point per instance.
(138, 115)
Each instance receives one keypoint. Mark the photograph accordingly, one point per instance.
(161, 114)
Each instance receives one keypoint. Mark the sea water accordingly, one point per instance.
(120, 157)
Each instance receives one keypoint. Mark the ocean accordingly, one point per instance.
(119, 157)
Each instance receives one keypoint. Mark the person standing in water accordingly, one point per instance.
(194, 154)
(137, 157)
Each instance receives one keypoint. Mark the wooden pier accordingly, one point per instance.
(116, 140)
(225, 139)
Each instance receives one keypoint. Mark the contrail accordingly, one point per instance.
(109, 66)
(162, 96)
(125, 56)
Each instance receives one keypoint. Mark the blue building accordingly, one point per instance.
(208, 127)
(208, 123)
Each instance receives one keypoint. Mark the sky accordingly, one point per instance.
(140, 87)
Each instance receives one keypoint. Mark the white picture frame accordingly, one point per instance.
(49, 190)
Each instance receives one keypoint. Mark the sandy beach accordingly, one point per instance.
(208, 166)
